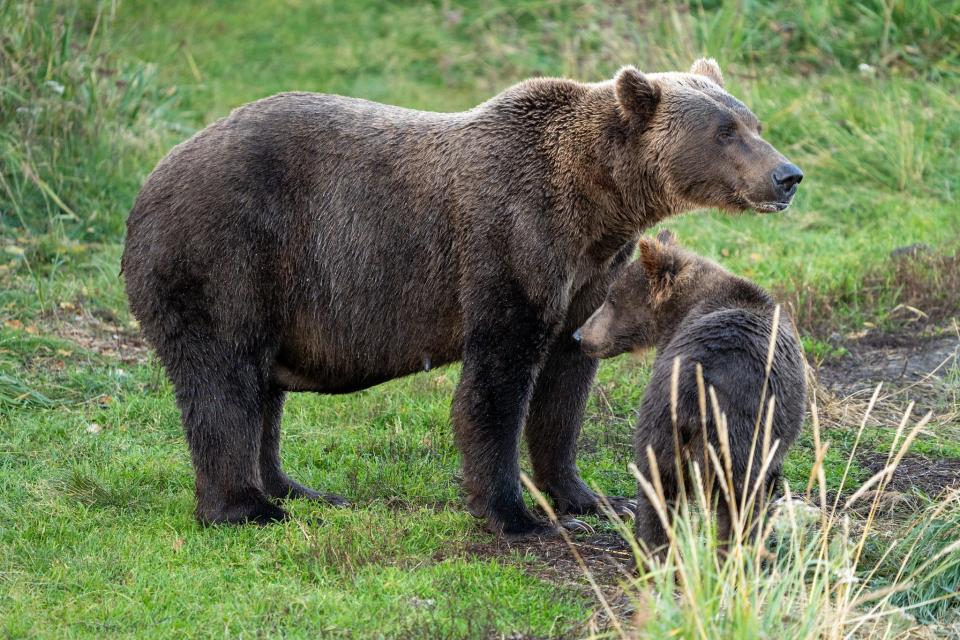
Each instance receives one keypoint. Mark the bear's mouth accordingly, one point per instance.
(770, 207)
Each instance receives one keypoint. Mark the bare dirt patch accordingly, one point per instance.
(911, 365)
(930, 475)
(101, 333)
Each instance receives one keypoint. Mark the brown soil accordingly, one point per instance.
(909, 365)
(100, 333)
(917, 368)
(930, 475)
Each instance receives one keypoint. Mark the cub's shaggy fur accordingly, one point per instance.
(693, 310)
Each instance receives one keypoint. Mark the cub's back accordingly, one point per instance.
(732, 346)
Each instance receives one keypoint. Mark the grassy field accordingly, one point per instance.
(96, 529)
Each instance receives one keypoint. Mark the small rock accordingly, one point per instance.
(910, 250)
(422, 603)
(93, 427)
(55, 86)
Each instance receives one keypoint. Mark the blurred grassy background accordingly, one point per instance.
(97, 535)
(861, 95)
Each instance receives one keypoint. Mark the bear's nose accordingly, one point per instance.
(787, 176)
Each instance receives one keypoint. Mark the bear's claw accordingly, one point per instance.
(577, 526)
(605, 507)
(623, 507)
(287, 489)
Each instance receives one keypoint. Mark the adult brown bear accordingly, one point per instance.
(312, 242)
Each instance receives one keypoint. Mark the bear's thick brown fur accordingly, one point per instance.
(312, 242)
(693, 310)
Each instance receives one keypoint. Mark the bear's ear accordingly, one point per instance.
(666, 237)
(637, 97)
(708, 68)
(662, 265)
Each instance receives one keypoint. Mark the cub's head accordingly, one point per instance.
(652, 296)
(702, 146)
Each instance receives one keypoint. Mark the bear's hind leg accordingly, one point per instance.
(650, 528)
(220, 396)
(276, 483)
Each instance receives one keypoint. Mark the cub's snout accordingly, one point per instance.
(595, 336)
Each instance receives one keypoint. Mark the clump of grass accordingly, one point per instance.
(73, 119)
(84, 487)
(15, 393)
(376, 537)
(915, 289)
(934, 590)
(815, 35)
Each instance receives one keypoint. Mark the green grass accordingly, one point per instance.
(96, 532)
(105, 540)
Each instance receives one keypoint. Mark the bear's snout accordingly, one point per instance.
(786, 177)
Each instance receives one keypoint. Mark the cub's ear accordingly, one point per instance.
(709, 68)
(662, 265)
(637, 97)
(666, 237)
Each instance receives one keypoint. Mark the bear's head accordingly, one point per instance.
(651, 297)
(700, 146)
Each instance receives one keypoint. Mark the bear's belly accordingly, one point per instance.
(356, 348)
(347, 377)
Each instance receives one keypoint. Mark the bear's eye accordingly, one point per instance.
(726, 133)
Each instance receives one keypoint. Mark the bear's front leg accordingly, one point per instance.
(505, 342)
(558, 403)
(553, 428)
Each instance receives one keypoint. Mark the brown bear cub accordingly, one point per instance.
(691, 308)
(312, 242)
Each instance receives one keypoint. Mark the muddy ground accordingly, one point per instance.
(919, 367)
